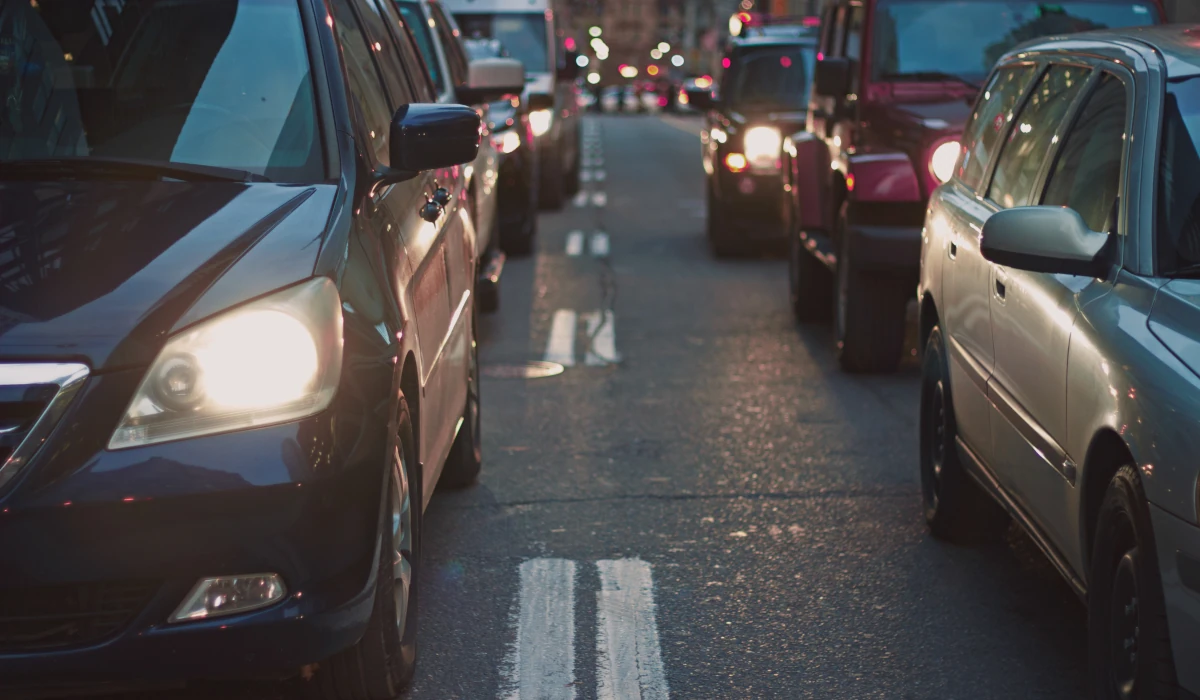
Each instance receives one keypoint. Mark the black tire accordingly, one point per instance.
(1129, 647)
(466, 455)
(572, 177)
(381, 665)
(809, 282)
(869, 311)
(552, 191)
(956, 508)
(518, 238)
(719, 240)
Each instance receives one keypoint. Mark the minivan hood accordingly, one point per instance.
(100, 272)
(1175, 320)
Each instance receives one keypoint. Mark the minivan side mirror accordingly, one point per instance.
(831, 77)
(491, 80)
(701, 99)
(432, 136)
(1054, 240)
(570, 69)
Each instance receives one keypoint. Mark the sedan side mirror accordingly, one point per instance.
(832, 77)
(432, 136)
(492, 80)
(1054, 240)
(701, 99)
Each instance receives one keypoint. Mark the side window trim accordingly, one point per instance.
(394, 101)
(1068, 123)
(400, 34)
(985, 179)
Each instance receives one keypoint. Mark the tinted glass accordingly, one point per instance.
(1087, 174)
(522, 33)
(412, 14)
(1032, 135)
(366, 88)
(771, 78)
(164, 81)
(1179, 178)
(988, 124)
(915, 38)
(451, 39)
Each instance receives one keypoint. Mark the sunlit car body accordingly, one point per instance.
(512, 137)
(1060, 315)
(759, 99)
(882, 132)
(232, 373)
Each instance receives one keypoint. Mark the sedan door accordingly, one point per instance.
(1033, 313)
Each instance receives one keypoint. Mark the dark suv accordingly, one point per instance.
(760, 97)
(893, 88)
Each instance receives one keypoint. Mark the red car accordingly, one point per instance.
(895, 81)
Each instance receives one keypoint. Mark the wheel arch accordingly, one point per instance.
(1106, 454)
(927, 318)
(410, 388)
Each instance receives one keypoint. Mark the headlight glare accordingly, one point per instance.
(943, 160)
(762, 147)
(540, 120)
(274, 360)
(506, 142)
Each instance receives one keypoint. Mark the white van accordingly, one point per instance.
(526, 30)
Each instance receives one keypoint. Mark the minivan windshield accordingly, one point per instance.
(915, 39)
(770, 78)
(217, 83)
(523, 35)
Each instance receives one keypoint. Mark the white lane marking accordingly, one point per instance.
(629, 662)
(581, 199)
(586, 175)
(599, 199)
(560, 347)
(602, 330)
(575, 243)
(600, 244)
(542, 662)
(600, 176)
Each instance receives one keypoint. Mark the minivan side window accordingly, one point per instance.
(415, 19)
(366, 88)
(989, 122)
(1087, 174)
(1032, 136)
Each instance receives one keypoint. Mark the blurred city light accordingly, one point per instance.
(593, 78)
(664, 47)
(677, 61)
(581, 61)
(595, 31)
(655, 54)
(652, 70)
(628, 71)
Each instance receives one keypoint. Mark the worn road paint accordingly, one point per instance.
(601, 176)
(602, 329)
(600, 244)
(585, 175)
(581, 199)
(560, 347)
(599, 199)
(628, 656)
(575, 243)
(541, 663)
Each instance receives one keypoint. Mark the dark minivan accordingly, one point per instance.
(237, 341)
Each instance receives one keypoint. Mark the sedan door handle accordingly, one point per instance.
(1000, 289)
(953, 250)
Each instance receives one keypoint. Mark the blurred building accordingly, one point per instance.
(1183, 10)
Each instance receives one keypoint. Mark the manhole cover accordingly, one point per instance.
(527, 370)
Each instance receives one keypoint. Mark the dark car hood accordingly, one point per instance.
(787, 120)
(933, 113)
(100, 271)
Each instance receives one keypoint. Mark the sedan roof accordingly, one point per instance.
(1178, 44)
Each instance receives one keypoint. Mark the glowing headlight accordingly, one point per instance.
(271, 361)
(506, 142)
(762, 144)
(540, 121)
(943, 160)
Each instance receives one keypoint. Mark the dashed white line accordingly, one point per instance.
(542, 661)
(599, 244)
(600, 176)
(581, 199)
(629, 662)
(560, 347)
(575, 243)
(599, 199)
(586, 175)
(602, 330)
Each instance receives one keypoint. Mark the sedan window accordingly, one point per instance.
(989, 123)
(1178, 227)
(164, 81)
(419, 26)
(1031, 138)
(1087, 174)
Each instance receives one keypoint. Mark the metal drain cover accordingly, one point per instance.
(526, 370)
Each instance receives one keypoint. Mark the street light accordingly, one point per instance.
(595, 31)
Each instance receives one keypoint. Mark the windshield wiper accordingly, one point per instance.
(121, 168)
(931, 76)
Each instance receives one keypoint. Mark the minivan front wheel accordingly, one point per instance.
(381, 665)
(1129, 648)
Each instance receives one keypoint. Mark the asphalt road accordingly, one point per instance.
(703, 506)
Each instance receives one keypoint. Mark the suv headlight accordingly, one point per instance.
(762, 147)
(540, 120)
(943, 159)
(273, 360)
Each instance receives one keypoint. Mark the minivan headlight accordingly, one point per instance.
(271, 361)
(762, 147)
(539, 121)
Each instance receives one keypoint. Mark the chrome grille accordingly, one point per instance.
(33, 397)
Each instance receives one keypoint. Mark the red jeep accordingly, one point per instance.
(894, 83)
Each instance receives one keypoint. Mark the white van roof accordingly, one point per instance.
(496, 5)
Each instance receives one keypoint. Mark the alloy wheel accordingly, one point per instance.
(402, 542)
(473, 402)
(1125, 626)
(935, 428)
